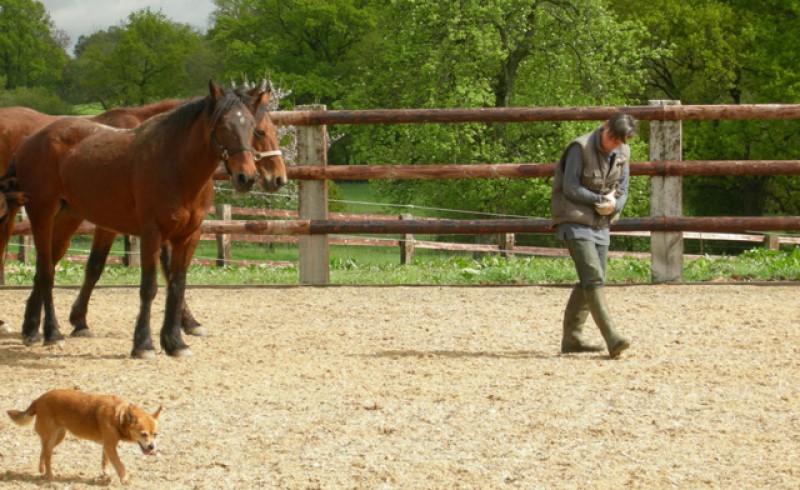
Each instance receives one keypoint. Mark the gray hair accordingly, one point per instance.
(622, 126)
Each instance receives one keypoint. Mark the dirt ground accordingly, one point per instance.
(430, 387)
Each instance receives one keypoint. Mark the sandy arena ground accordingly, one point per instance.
(430, 387)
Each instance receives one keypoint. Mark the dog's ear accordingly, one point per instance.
(157, 412)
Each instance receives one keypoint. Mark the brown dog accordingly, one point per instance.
(101, 418)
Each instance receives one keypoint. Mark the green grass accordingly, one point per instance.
(434, 269)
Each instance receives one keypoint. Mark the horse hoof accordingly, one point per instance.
(144, 354)
(6, 328)
(84, 333)
(187, 352)
(55, 342)
(31, 340)
(198, 331)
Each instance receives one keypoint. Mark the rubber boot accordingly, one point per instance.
(597, 306)
(575, 316)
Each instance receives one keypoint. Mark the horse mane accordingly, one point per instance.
(187, 113)
(228, 100)
(149, 110)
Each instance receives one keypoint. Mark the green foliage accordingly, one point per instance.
(754, 265)
(307, 45)
(722, 52)
(29, 53)
(38, 98)
(490, 54)
(145, 59)
(696, 47)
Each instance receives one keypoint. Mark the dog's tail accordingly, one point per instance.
(21, 417)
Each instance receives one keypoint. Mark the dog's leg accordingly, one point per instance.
(110, 451)
(45, 462)
(51, 435)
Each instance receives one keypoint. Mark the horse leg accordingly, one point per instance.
(142, 338)
(6, 228)
(65, 224)
(41, 218)
(5, 236)
(189, 324)
(171, 340)
(101, 245)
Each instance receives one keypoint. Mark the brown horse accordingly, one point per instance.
(19, 122)
(148, 181)
(272, 175)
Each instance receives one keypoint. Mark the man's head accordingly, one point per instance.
(616, 131)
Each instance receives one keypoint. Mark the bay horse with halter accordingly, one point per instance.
(148, 181)
(19, 122)
(272, 176)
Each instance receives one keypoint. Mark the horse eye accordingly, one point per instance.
(260, 133)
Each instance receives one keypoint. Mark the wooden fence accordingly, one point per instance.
(217, 228)
(666, 224)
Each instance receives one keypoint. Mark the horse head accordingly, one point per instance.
(269, 159)
(233, 132)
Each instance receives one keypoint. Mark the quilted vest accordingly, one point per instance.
(595, 176)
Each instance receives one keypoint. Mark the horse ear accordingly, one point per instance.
(263, 99)
(215, 90)
(260, 94)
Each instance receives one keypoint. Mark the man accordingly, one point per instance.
(590, 189)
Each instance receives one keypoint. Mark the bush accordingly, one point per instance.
(40, 99)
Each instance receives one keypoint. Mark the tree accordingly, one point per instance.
(475, 53)
(146, 58)
(307, 45)
(30, 55)
(728, 52)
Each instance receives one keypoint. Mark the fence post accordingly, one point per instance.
(26, 250)
(507, 245)
(132, 258)
(223, 240)
(666, 197)
(312, 149)
(406, 244)
(772, 241)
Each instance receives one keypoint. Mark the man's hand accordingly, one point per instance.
(608, 206)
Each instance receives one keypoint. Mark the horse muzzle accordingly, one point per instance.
(242, 181)
(271, 168)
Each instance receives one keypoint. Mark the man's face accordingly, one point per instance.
(608, 142)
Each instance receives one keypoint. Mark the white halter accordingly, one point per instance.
(258, 155)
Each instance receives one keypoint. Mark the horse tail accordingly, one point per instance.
(10, 195)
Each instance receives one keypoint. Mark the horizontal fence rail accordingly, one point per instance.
(493, 226)
(518, 114)
(531, 170)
